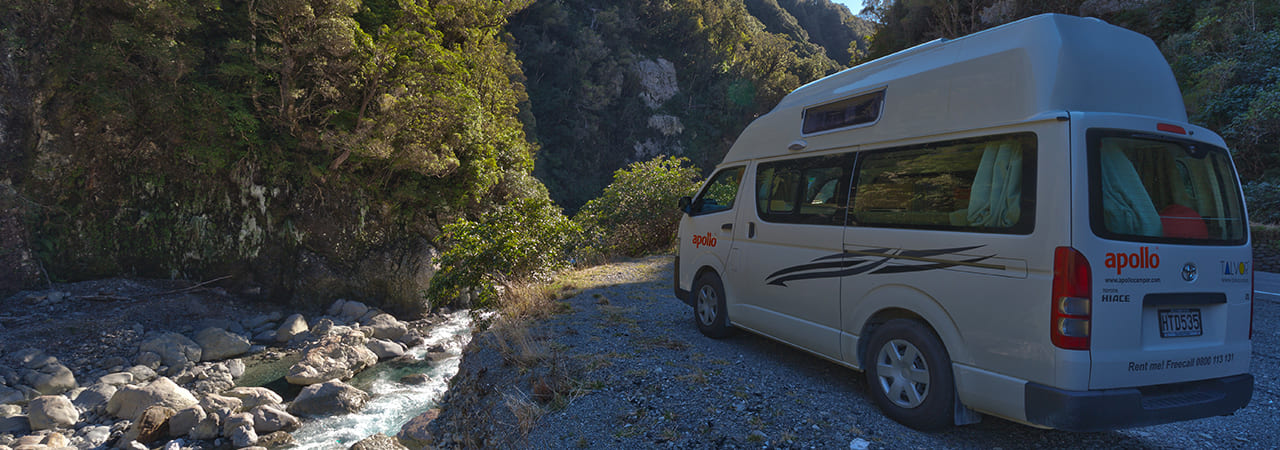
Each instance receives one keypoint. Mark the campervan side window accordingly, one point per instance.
(863, 109)
(719, 193)
(807, 190)
(981, 185)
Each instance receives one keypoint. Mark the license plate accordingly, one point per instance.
(1180, 322)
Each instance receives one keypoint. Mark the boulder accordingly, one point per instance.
(268, 418)
(52, 411)
(253, 397)
(142, 373)
(217, 344)
(292, 326)
(336, 307)
(176, 351)
(130, 401)
(150, 360)
(329, 398)
(207, 429)
(55, 440)
(276, 440)
(94, 397)
(10, 395)
(51, 378)
(151, 426)
(95, 436)
(416, 433)
(385, 349)
(221, 405)
(243, 436)
(186, 420)
(10, 410)
(339, 355)
(15, 425)
(236, 368)
(116, 379)
(379, 442)
(236, 421)
(257, 321)
(385, 326)
(352, 311)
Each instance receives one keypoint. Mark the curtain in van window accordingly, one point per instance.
(1126, 206)
(996, 197)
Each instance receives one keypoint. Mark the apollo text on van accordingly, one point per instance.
(1019, 223)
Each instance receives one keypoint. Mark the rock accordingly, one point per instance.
(268, 418)
(28, 442)
(253, 397)
(207, 429)
(415, 379)
(385, 349)
(176, 351)
(236, 368)
(94, 397)
(236, 421)
(340, 355)
(329, 398)
(55, 440)
(352, 311)
(368, 316)
(415, 432)
(10, 410)
(379, 442)
(33, 358)
(185, 420)
(243, 436)
(265, 337)
(51, 378)
(859, 444)
(150, 360)
(321, 328)
(151, 426)
(292, 326)
(217, 344)
(15, 425)
(221, 406)
(385, 326)
(757, 436)
(117, 379)
(142, 373)
(259, 320)
(95, 435)
(10, 395)
(336, 307)
(129, 401)
(276, 440)
(134, 445)
(113, 362)
(52, 411)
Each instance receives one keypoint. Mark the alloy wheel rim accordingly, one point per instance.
(707, 300)
(902, 373)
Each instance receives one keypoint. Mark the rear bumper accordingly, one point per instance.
(1134, 407)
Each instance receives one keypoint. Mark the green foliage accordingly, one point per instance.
(637, 214)
(519, 240)
(1263, 198)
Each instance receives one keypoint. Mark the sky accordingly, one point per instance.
(855, 6)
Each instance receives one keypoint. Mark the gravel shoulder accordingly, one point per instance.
(623, 366)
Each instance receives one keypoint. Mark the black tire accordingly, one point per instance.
(709, 311)
(909, 376)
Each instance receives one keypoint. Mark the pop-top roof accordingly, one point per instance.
(1011, 73)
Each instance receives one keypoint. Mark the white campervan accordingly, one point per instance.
(1019, 223)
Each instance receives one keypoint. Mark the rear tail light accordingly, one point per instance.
(1072, 300)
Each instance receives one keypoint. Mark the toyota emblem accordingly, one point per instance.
(1189, 272)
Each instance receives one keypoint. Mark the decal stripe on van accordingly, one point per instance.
(852, 263)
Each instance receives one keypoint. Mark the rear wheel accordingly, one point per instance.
(909, 377)
(709, 311)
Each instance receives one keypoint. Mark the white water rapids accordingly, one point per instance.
(392, 403)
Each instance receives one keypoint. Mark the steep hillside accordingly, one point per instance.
(831, 26)
(615, 82)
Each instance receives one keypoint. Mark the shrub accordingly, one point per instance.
(637, 214)
(1263, 198)
(518, 240)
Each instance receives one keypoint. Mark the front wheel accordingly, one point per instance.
(709, 310)
(910, 377)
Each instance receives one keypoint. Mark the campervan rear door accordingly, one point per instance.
(1167, 242)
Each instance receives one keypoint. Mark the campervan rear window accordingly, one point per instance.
(863, 109)
(1150, 188)
(981, 185)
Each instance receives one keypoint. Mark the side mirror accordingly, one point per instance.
(684, 204)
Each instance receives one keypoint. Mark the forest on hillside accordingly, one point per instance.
(322, 149)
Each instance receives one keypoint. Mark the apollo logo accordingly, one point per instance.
(1144, 259)
(708, 240)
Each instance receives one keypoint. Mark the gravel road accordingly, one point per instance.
(647, 378)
